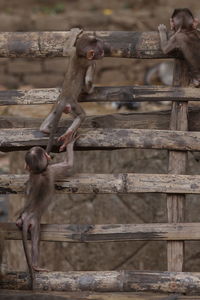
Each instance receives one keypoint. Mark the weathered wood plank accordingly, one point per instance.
(112, 183)
(42, 295)
(107, 281)
(145, 120)
(107, 138)
(102, 94)
(177, 165)
(109, 232)
(50, 44)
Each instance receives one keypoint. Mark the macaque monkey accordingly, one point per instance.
(78, 79)
(39, 191)
(186, 39)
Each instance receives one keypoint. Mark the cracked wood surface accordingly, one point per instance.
(84, 233)
(42, 295)
(107, 138)
(140, 120)
(127, 44)
(112, 183)
(107, 281)
(102, 94)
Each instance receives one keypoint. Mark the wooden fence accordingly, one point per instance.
(156, 130)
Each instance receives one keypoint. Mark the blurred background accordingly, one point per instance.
(127, 15)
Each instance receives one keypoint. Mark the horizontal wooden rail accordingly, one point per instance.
(51, 295)
(110, 232)
(102, 94)
(107, 281)
(107, 138)
(149, 120)
(126, 44)
(112, 183)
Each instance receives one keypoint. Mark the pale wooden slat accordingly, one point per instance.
(50, 44)
(102, 94)
(111, 183)
(19, 295)
(149, 120)
(177, 165)
(109, 232)
(107, 138)
(107, 281)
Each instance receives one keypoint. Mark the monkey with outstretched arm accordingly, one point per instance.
(185, 39)
(39, 191)
(78, 79)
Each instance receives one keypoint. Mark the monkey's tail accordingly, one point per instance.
(27, 254)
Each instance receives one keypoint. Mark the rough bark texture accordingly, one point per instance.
(102, 94)
(117, 44)
(109, 232)
(107, 138)
(177, 165)
(112, 183)
(107, 281)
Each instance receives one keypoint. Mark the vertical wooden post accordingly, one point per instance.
(177, 165)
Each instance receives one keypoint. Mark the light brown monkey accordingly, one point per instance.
(39, 191)
(78, 78)
(186, 39)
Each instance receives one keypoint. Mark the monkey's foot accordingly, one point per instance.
(44, 129)
(38, 269)
(65, 139)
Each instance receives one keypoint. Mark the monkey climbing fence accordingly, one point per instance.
(171, 132)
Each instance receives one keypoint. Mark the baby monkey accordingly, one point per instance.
(39, 191)
(78, 78)
(186, 39)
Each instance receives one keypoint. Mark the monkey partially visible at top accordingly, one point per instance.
(39, 191)
(186, 39)
(78, 78)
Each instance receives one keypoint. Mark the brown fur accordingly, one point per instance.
(186, 39)
(79, 77)
(39, 191)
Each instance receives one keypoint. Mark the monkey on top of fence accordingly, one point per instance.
(185, 39)
(39, 191)
(78, 78)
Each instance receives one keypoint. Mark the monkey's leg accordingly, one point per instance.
(25, 227)
(89, 78)
(35, 241)
(78, 111)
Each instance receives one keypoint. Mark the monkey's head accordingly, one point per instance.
(36, 160)
(182, 18)
(90, 47)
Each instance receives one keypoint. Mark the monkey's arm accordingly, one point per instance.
(79, 114)
(89, 77)
(64, 168)
(166, 45)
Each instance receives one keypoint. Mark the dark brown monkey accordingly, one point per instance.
(186, 39)
(78, 78)
(39, 191)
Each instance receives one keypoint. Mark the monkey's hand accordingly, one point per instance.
(162, 28)
(65, 139)
(19, 223)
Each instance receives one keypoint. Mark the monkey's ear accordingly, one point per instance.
(90, 54)
(171, 23)
(195, 23)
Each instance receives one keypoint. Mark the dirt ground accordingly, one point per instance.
(135, 15)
